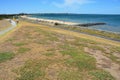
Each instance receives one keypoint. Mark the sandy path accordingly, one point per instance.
(13, 25)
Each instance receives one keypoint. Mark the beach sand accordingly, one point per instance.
(49, 21)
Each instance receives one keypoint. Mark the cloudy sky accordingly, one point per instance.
(60, 6)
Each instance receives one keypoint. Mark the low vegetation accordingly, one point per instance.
(4, 56)
(48, 55)
(109, 35)
(23, 50)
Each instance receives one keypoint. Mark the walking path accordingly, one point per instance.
(13, 25)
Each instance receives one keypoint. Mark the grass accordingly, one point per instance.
(19, 44)
(10, 39)
(49, 35)
(71, 75)
(49, 54)
(93, 32)
(23, 50)
(32, 70)
(95, 47)
(113, 58)
(84, 63)
(4, 56)
(101, 75)
(79, 58)
(77, 66)
(115, 49)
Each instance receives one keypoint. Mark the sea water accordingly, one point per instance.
(112, 21)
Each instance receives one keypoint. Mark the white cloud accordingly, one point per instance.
(71, 3)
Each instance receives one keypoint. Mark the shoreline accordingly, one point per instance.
(50, 21)
(85, 30)
(60, 22)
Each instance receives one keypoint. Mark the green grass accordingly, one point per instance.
(23, 50)
(92, 32)
(101, 75)
(71, 75)
(19, 44)
(79, 66)
(84, 63)
(49, 35)
(79, 58)
(32, 70)
(49, 54)
(4, 56)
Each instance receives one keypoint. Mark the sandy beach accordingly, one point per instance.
(49, 21)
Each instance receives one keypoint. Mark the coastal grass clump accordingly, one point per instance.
(4, 56)
(23, 50)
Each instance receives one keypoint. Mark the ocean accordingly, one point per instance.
(112, 21)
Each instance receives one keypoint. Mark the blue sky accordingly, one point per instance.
(60, 6)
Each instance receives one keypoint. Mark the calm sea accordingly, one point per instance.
(113, 21)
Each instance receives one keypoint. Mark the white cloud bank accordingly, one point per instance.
(71, 3)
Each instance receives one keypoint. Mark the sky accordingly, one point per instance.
(60, 6)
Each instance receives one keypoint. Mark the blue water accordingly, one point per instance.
(113, 21)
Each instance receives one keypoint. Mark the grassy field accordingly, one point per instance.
(38, 52)
(85, 30)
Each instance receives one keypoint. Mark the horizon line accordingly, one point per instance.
(59, 13)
